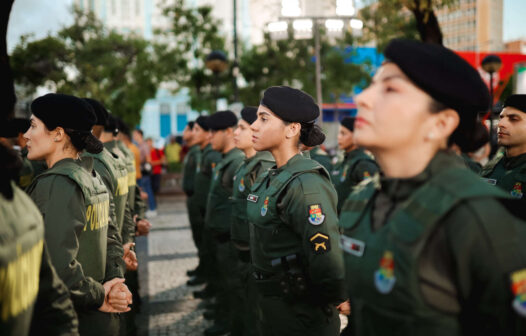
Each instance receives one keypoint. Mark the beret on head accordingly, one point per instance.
(202, 121)
(100, 111)
(112, 124)
(441, 73)
(249, 114)
(65, 111)
(12, 127)
(222, 120)
(348, 122)
(290, 104)
(517, 101)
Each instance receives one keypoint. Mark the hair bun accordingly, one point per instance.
(311, 135)
(84, 140)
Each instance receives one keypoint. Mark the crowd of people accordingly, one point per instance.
(406, 235)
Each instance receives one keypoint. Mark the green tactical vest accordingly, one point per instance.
(242, 184)
(93, 239)
(219, 206)
(270, 238)
(203, 175)
(129, 159)
(189, 168)
(513, 180)
(119, 176)
(21, 245)
(382, 270)
(341, 175)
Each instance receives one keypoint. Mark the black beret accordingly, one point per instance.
(12, 127)
(441, 73)
(222, 120)
(202, 121)
(100, 111)
(517, 101)
(348, 122)
(191, 124)
(112, 124)
(290, 104)
(249, 114)
(65, 111)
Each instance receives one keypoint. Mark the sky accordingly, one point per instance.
(40, 17)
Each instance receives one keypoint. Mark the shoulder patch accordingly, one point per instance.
(316, 216)
(518, 288)
(320, 243)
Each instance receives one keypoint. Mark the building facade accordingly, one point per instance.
(473, 25)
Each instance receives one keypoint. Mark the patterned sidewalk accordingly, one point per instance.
(168, 307)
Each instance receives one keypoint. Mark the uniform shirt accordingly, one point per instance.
(459, 272)
(321, 156)
(508, 173)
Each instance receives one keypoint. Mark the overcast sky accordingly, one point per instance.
(43, 16)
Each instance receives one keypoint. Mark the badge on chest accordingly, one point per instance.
(384, 278)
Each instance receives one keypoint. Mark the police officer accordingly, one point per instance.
(356, 165)
(319, 155)
(219, 213)
(508, 169)
(255, 164)
(75, 206)
(189, 166)
(203, 176)
(291, 210)
(33, 300)
(430, 249)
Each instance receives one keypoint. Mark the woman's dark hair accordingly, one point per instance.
(9, 170)
(84, 140)
(311, 134)
(464, 136)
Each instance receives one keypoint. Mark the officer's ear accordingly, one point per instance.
(58, 134)
(443, 124)
(292, 130)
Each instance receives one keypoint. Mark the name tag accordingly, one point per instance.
(253, 198)
(489, 181)
(353, 246)
(335, 172)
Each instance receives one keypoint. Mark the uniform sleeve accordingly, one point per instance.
(62, 205)
(53, 313)
(309, 207)
(139, 207)
(485, 287)
(128, 226)
(362, 170)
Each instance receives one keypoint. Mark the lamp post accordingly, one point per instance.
(216, 61)
(491, 64)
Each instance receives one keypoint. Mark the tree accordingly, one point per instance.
(87, 60)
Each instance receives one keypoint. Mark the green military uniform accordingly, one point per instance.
(75, 204)
(31, 294)
(30, 169)
(322, 157)
(217, 221)
(189, 171)
(471, 164)
(203, 176)
(244, 297)
(436, 254)
(355, 167)
(507, 173)
(294, 248)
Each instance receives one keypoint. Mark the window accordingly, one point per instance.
(164, 108)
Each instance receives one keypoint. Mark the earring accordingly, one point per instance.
(56, 140)
(430, 136)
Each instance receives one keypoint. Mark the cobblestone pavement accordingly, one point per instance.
(168, 307)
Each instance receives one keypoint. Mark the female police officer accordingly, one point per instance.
(430, 248)
(75, 206)
(293, 223)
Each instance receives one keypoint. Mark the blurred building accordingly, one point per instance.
(516, 47)
(473, 25)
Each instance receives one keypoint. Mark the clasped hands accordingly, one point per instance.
(117, 297)
(130, 258)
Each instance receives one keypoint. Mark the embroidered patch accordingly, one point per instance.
(252, 198)
(213, 165)
(518, 287)
(517, 190)
(320, 243)
(316, 216)
(242, 185)
(366, 175)
(489, 181)
(384, 278)
(216, 175)
(344, 174)
(352, 246)
(264, 208)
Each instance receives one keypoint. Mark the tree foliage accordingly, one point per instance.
(87, 60)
